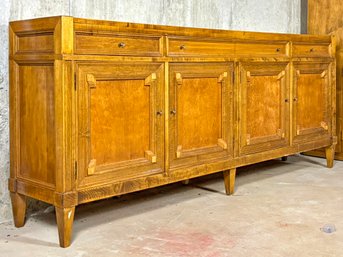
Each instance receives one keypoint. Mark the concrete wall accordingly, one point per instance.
(253, 15)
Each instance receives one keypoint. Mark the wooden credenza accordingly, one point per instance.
(100, 108)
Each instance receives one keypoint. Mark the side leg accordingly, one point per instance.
(18, 209)
(284, 158)
(65, 219)
(229, 181)
(330, 155)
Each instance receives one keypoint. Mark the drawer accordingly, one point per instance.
(311, 50)
(179, 47)
(118, 45)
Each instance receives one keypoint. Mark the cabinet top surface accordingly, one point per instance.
(95, 26)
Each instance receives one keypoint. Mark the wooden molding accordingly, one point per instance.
(150, 156)
(222, 143)
(178, 151)
(150, 79)
(91, 80)
(91, 167)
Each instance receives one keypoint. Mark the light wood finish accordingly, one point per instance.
(18, 208)
(325, 17)
(65, 219)
(100, 109)
(229, 181)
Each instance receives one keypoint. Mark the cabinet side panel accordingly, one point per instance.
(37, 125)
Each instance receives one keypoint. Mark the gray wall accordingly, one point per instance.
(253, 15)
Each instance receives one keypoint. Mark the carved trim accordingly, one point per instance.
(323, 74)
(222, 77)
(178, 78)
(178, 151)
(248, 139)
(324, 125)
(281, 75)
(150, 156)
(248, 76)
(91, 167)
(91, 80)
(150, 79)
(281, 133)
(222, 143)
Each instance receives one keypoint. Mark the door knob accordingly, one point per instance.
(121, 45)
(173, 112)
(159, 113)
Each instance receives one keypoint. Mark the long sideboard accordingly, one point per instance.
(102, 108)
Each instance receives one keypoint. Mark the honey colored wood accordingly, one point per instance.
(229, 181)
(65, 219)
(100, 109)
(18, 208)
(325, 17)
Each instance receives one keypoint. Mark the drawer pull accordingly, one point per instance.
(159, 113)
(182, 47)
(173, 112)
(278, 49)
(121, 45)
(295, 99)
(311, 50)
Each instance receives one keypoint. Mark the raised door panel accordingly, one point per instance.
(200, 112)
(263, 106)
(311, 101)
(120, 124)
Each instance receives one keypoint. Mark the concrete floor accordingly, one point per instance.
(278, 209)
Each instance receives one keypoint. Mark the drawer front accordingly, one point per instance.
(309, 50)
(118, 45)
(179, 47)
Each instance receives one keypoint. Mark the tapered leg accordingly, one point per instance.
(284, 158)
(229, 181)
(18, 209)
(65, 219)
(330, 155)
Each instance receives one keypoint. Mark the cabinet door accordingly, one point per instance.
(200, 112)
(120, 121)
(263, 106)
(311, 101)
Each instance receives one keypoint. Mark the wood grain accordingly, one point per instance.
(101, 108)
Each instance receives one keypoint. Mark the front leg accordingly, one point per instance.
(330, 155)
(18, 209)
(229, 181)
(65, 219)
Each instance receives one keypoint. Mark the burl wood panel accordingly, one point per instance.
(311, 105)
(37, 126)
(120, 112)
(199, 112)
(263, 106)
